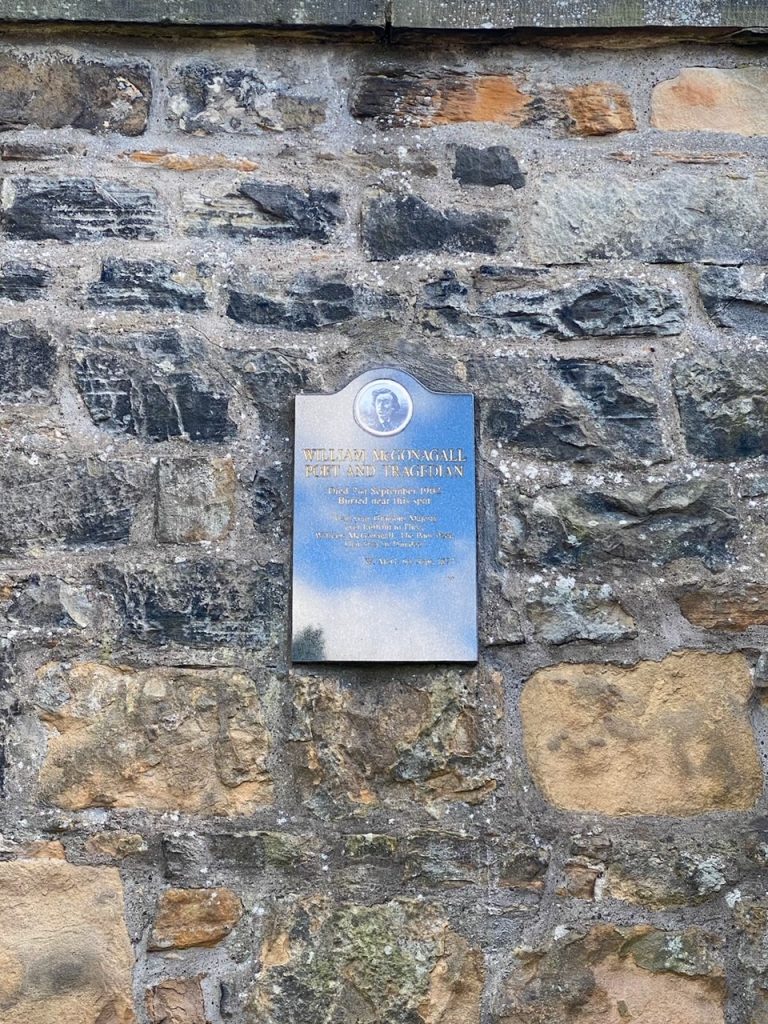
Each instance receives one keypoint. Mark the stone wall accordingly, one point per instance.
(193, 229)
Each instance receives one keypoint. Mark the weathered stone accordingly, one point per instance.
(495, 306)
(668, 737)
(64, 948)
(647, 523)
(55, 91)
(599, 108)
(735, 608)
(663, 874)
(500, 622)
(36, 602)
(581, 410)
(194, 917)
(77, 209)
(186, 162)
(732, 302)
(612, 308)
(271, 378)
(115, 845)
(674, 217)
(22, 282)
(713, 100)
(269, 496)
(203, 604)
(22, 150)
(92, 502)
(28, 362)
(308, 302)
(153, 385)
(195, 500)
(398, 225)
(616, 974)
(568, 612)
(445, 860)
(580, 879)
(406, 962)
(177, 1001)
(43, 849)
(259, 209)
(207, 98)
(190, 740)
(492, 166)
(428, 739)
(145, 284)
(402, 101)
(723, 402)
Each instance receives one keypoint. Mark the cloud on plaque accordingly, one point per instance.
(408, 622)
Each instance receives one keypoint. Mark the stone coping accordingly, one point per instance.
(411, 14)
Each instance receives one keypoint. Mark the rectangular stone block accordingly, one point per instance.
(678, 216)
(146, 284)
(733, 100)
(23, 282)
(201, 730)
(259, 209)
(195, 500)
(668, 737)
(410, 101)
(77, 209)
(201, 604)
(70, 502)
(154, 385)
(499, 14)
(28, 362)
(65, 954)
(50, 90)
(394, 226)
(207, 98)
(201, 12)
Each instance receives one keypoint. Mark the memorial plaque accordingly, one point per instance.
(384, 524)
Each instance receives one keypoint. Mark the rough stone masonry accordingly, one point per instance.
(194, 228)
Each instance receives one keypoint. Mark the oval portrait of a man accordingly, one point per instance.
(383, 407)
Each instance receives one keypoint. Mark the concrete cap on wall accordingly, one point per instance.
(413, 14)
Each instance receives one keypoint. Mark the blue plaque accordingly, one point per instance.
(384, 525)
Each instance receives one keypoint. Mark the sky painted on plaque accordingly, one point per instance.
(400, 586)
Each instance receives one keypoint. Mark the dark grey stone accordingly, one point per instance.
(493, 305)
(580, 410)
(28, 362)
(271, 380)
(208, 98)
(398, 225)
(153, 385)
(144, 284)
(492, 166)
(269, 497)
(677, 216)
(38, 604)
(338, 13)
(731, 303)
(67, 502)
(619, 307)
(723, 402)
(200, 604)
(57, 91)
(541, 14)
(265, 210)
(78, 209)
(308, 303)
(643, 524)
(23, 282)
